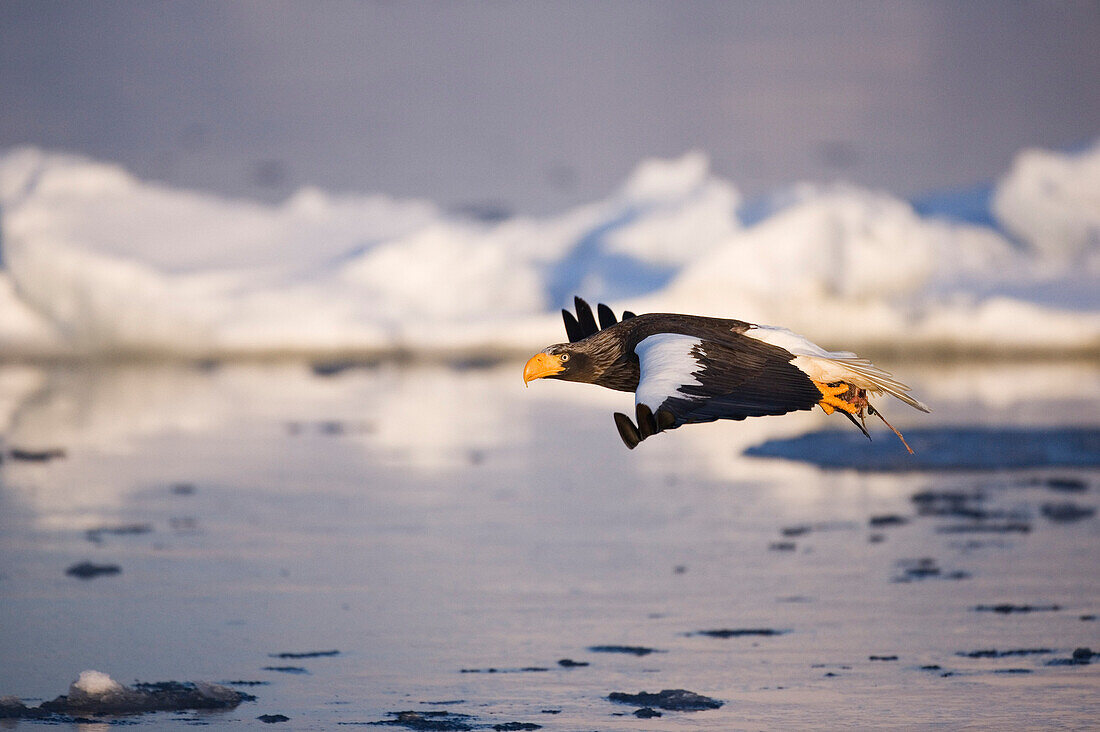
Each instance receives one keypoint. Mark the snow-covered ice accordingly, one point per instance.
(94, 684)
(94, 260)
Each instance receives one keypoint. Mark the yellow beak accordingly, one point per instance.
(540, 365)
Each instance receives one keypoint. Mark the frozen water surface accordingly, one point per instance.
(425, 520)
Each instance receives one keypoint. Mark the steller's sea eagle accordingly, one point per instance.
(685, 369)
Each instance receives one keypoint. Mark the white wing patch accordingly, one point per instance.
(667, 363)
(831, 366)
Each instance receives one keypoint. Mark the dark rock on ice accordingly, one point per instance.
(674, 700)
(307, 654)
(331, 368)
(959, 504)
(1080, 657)
(739, 632)
(931, 667)
(13, 708)
(646, 713)
(1012, 671)
(631, 650)
(494, 670)
(925, 568)
(887, 520)
(993, 653)
(246, 683)
(1003, 527)
(1008, 608)
(782, 546)
(570, 663)
(87, 570)
(508, 726)
(97, 693)
(882, 658)
(1067, 512)
(918, 568)
(791, 531)
(36, 456)
(1067, 485)
(441, 721)
(287, 669)
(273, 718)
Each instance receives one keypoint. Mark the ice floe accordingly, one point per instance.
(94, 260)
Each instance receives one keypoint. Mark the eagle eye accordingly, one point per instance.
(564, 357)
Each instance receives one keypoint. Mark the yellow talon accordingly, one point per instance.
(831, 400)
(831, 391)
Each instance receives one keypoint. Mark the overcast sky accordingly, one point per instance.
(534, 105)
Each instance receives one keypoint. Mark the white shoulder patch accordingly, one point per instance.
(667, 364)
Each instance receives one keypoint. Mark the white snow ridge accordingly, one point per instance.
(93, 260)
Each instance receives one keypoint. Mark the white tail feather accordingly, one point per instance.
(830, 366)
(866, 375)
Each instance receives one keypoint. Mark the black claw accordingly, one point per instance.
(858, 424)
(647, 425)
(666, 420)
(585, 317)
(572, 327)
(627, 315)
(627, 430)
(607, 317)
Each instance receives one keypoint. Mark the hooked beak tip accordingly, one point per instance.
(539, 366)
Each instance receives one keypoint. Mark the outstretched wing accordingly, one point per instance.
(584, 323)
(700, 380)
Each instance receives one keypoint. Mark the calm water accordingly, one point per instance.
(422, 521)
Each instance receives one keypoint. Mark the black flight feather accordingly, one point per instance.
(647, 425)
(627, 431)
(607, 316)
(572, 327)
(585, 317)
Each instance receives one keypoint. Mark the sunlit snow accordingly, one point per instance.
(94, 260)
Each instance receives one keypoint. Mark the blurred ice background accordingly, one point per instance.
(193, 179)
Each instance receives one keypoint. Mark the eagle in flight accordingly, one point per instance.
(685, 369)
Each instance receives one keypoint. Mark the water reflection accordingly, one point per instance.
(435, 420)
(429, 519)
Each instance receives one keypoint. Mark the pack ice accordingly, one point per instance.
(94, 260)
